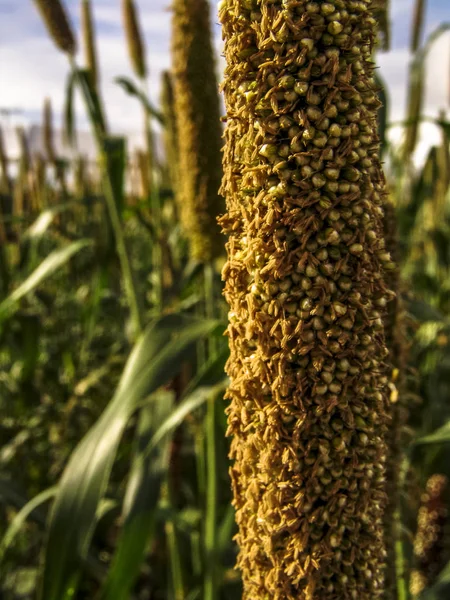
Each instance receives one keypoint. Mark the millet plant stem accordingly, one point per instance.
(116, 223)
(210, 586)
(155, 205)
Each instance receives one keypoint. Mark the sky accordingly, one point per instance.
(31, 68)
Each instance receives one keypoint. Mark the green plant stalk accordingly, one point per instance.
(122, 251)
(155, 204)
(175, 561)
(210, 308)
(176, 569)
(210, 585)
(402, 589)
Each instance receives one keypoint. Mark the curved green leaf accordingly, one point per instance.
(440, 436)
(128, 86)
(155, 359)
(21, 517)
(37, 229)
(150, 464)
(141, 498)
(53, 262)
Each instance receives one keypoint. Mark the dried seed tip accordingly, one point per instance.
(57, 22)
(308, 381)
(88, 36)
(197, 111)
(47, 131)
(136, 49)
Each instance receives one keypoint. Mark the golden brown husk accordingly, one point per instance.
(55, 17)
(199, 130)
(88, 32)
(304, 281)
(133, 36)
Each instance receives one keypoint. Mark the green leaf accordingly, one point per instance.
(128, 86)
(440, 436)
(155, 359)
(141, 498)
(150, 464)
(45, 219)
(22, 516)
(440, 590)
(51, 264)
(115, 154)
(94, 106)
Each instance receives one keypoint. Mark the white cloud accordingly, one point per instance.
(30, 67)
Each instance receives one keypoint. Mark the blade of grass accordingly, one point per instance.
(112, 194)
(210, 587)
(155, 359)
(50, 265)
(141, 497)
(21, 517)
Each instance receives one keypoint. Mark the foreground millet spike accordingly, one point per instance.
(197, 110)
(305, 285)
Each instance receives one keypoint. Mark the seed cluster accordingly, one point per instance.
(197, 111)
(305, 285)
(55, 18)
(429, 543)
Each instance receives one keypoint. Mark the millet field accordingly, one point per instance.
(225, 354)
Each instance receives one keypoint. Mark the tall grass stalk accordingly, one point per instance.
(116, 222)
(210, 584)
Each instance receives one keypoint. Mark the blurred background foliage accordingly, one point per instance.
(113, 454)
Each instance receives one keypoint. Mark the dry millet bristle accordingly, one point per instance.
(305, 285)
